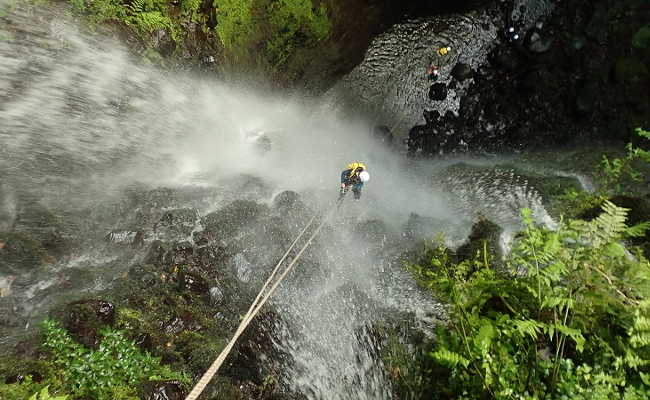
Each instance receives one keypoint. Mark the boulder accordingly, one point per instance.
(438, 92)
(192, 283)
(485, 234)
(85, 318)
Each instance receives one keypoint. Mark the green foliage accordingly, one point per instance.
(617, 170)
(567, 318)
(641, 38)
(44, 394)
(279, 27)
(110, 372)
(235, 22)
(144, 16)
(28, 389)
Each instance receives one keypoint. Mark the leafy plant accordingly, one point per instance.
(110, 372)
(566, 319)
(614, 171)
(44, 394)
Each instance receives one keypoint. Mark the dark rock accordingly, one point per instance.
(192, 282)
(462, 71)
(538, 43)
(438, 92)
(162, 390)
(485, 234)
(20, 377)
(85, 318)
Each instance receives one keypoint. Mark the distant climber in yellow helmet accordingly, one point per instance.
(443, 51)
(353, 177)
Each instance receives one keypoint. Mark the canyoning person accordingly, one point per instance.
(432, 73)
(353, 177)
(443, 51)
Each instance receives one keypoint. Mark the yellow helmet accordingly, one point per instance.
(444, 50)
(353, 166)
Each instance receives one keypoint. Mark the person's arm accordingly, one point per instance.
(344, 177)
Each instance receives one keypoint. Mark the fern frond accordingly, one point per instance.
(609, 225)
(136, 6)
(449, 358)
(638, 230)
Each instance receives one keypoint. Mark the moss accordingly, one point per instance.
(20, 378)
(199, 350)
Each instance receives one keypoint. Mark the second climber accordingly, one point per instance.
(353, 177)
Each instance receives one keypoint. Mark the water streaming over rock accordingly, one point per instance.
(391, 82)
(122, 154)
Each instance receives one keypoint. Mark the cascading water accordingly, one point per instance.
(83, 127)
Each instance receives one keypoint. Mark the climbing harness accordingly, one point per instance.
(267, 290)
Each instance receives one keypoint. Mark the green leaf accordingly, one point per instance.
(483, 338)
(638, 230)
(615, 250)
(449, 358)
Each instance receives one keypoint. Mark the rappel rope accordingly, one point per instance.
(261, 298)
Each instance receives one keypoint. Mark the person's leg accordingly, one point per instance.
(357, 193)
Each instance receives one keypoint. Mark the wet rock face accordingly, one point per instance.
(84, 319)
(288, 202)
(233, 217)
(176, 224)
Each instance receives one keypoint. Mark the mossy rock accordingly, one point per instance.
(199, 350)
(485, 235)
(15, 370)
(85, 318)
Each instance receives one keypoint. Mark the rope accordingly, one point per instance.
(256, 306)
